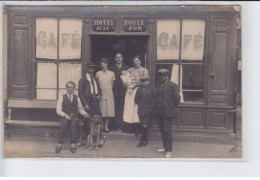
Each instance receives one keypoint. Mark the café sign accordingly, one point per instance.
(103, 24)
(135, 24)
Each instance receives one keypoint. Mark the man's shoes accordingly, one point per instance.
(161, 150)
(140, 144)
(58, 148)
(168, 155)
(73, 148)
(106, 131)
(144, 143)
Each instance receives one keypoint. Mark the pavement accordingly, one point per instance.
(38, 147)
(119, 145)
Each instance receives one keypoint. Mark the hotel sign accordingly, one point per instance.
(135, 24)
(104, 24)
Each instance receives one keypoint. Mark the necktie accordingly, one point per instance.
(70, 98)
(93, 84)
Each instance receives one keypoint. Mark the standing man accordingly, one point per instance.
(118, 90)
(168, 98)
(89, 94)
(68, 108)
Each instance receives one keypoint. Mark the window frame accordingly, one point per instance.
(206, 56)
(57, 61)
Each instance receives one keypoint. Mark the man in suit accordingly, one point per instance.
(68, 108)
(168, 98)
(119, 91)
(89, 94)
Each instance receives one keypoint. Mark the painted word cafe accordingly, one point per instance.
(49, 45)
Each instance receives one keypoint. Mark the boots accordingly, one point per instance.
(143, 140)
(144, 134)
(137, 129)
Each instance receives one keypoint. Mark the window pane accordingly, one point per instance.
(68, 72)
(174, 74)
(168, 39)
(46, 38)
(70, 38)
(192, 77)
(193, 32)
(46, 81)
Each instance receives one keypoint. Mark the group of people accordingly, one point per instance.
(123, 95)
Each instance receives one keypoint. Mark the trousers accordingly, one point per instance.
(165, 124)
(119, 110)
(65, 124)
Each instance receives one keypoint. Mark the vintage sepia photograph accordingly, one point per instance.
(122, 81)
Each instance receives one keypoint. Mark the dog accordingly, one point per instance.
(95, 130)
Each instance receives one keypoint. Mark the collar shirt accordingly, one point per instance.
(93, 86)
(59, 106)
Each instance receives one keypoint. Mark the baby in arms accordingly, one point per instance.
(125, 78)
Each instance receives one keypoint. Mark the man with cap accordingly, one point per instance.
(168, 98)
(90, 93)
(144, 98)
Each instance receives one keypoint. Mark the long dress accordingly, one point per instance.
(106, 81)
(130, 108)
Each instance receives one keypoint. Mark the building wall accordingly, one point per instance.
(213, 113)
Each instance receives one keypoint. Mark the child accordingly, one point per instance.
(125, 78)
(144, 98)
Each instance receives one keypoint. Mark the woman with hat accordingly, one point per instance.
(144, 98)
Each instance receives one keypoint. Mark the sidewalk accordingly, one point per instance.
(19, 147)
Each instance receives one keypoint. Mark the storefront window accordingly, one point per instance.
(187, 71)
(46, 81)
(168, 39)
(46, 38)
(58, 55)
(192, 39)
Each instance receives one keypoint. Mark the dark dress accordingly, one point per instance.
(119, 95)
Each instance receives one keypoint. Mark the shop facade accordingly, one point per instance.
(49, 45)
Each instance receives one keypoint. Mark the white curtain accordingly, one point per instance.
(175, 78)
(46, 85)
(168, 39)
(46, 38)
(70, 38)
(68, 72)
(193, 31)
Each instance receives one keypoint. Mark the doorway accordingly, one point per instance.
(129, 46)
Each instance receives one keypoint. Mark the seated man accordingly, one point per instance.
(68, 107)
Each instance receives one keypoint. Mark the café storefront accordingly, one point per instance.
(49, 45)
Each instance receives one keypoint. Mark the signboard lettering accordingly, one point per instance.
(134, 24)
(166, 41)
(104, 24)
(48, 40)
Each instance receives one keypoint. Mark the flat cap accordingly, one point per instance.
(163, 72)
(93, 65)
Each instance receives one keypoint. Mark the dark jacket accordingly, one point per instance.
(168, 98)
(85, 90)
(118, 88)
(144, 98)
